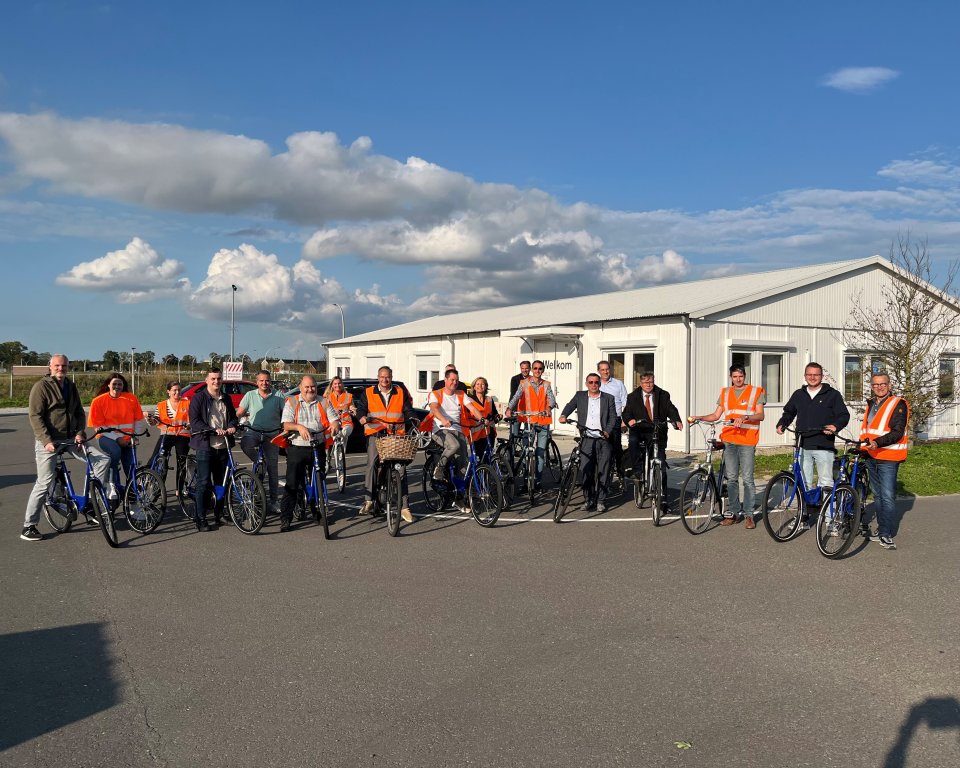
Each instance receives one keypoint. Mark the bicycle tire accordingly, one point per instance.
(144, 501)
(504, 472)
(104, 514)
(565, 492)
(532, 477)
(783, 507)
(484, 495)
(615, 485)
(301, 507)
(247, 502)
(656, 494)
(340, 462)
(554, 461)
(59, 508)
(699, 501)
(394, 500)
(844, 515)
(437, 494)
(188, 492)
(639, 491)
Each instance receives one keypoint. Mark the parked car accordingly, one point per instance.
(234, 389)
(357, 442)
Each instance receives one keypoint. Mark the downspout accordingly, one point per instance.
(686, 323)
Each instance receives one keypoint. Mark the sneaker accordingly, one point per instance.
(30, 533)
(367, 507)
(885, 541)
(284, 526)
(601, 507)
(833, 530)
(407, 516)
(587, 506)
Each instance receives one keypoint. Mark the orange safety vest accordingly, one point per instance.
(464, 413)
(534, 399)
(733, 408)
(180, 418)
(880, 425)
(473, 428)
(393, 414)
(342, 405)
(327, 434)
(122, 412)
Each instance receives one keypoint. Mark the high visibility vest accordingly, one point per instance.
(392, 414)
(121, 412)
(733, 408)
(465, 416)
(341, 404)
(180, 418)
(321, 409)
(473, 428)
(534, 399)
(879, 425)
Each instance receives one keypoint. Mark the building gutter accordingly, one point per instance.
(689, 382)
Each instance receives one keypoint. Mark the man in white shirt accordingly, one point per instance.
(618, 390)
(447, 405)
(596, 412)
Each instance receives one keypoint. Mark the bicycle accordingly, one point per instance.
(520, 451)
(245, 498)
(481, 486)
(840, 514)
(501, 465)
(161, 461)
(63, 504)
(703, 493)
(649, 485)
(313, 499)
(394, 452)
(338, 457)
(785, 499)
(568, 482)
(144, 497)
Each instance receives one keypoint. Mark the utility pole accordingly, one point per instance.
(233, 325)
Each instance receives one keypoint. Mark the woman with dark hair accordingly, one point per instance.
(118, 409)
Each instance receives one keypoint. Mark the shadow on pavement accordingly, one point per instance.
(935, 712)
(50, 678)
(8, 481)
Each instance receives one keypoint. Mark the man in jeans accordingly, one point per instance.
(534, 396)
(213, 422)
(56, 415)
(885, 430)
(264, 408)
(820, 413)
(743, 404)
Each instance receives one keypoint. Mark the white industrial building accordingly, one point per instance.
(688, 334)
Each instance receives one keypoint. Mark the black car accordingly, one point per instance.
(358, 442)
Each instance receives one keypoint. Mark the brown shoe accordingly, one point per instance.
(367, 508)
(750, 523)
(406, 515)
(729, 521)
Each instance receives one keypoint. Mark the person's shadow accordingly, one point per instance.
(941, 712)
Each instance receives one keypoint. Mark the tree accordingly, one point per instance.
(189, 362)
(11, 352)
(111, 360)
(170, 360)
(906, 332)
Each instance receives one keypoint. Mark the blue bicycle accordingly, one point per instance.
(480, 487)
(144, 496)
(312, 499)
(840, 514)
(63, 503)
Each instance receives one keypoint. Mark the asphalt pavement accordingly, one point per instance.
(598, 642)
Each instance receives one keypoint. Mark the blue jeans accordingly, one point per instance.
(738, 461)
(542, 433)
(271, 455)
(118, 455)
(823, 460)
(210, 461)
(883, 483)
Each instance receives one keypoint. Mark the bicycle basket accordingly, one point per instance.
(397, 448)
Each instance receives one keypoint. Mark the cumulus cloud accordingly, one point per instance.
(860, 79)
(135, 273)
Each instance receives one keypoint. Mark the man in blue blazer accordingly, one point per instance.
(597, 412)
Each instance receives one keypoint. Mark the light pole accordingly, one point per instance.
(133, 370)
(233, 325)
(343, 326)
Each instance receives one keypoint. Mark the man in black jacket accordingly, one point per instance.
(210, 409)
(820, 413)
(597, 411)
(646, 405)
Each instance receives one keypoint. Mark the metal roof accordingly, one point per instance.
(696, 298)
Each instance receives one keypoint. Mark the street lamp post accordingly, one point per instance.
(133, 370)
(233, 325)
(343, 326)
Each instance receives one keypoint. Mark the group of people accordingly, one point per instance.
(208, 422)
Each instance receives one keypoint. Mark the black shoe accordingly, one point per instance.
(284, 526)
(537, 488)
(202, 525)
(588, 506)
(865, 531)
(30, 533)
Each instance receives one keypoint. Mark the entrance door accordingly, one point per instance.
(563, 366)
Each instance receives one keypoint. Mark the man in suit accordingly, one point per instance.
(647, 405)
(597, 411)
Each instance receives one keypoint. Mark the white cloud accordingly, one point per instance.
(135, 273)
(860, 79)
(937, 172)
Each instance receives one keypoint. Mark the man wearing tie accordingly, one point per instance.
(647, 405)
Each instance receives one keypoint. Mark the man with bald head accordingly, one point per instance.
(56, 415)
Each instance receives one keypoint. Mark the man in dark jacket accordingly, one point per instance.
(647, 405)
(210, 409)
(597, 411)
(820, 413)
(56, 415)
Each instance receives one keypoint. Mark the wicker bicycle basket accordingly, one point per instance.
(400, 448)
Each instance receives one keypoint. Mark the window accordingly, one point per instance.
(627, 367)
(771, 367)
(744, 359)
(617, 365)
(642, 363)
(425, 380)
(948, 372)
(852, 379)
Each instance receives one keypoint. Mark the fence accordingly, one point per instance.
(149, 387)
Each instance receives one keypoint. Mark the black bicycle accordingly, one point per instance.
(394, 452)
(568, 481)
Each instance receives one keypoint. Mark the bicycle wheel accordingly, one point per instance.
(485, 496)
(699, 501)
(98, 497)
(340, 462)
(301, 509)
(501, 465)
(436, 493)
(188, 493)
(59, 508)
(615, 486)
(321, 512)
(246, 501)
(554, 461)
(532, 477)
(565, 492)
(639, 491)
(656, 494)
(144, 501)
(394, 499)
(838, 521)
(783, 507)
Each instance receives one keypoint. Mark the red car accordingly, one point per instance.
(235, 389)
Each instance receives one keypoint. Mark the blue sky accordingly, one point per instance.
(409, 159)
